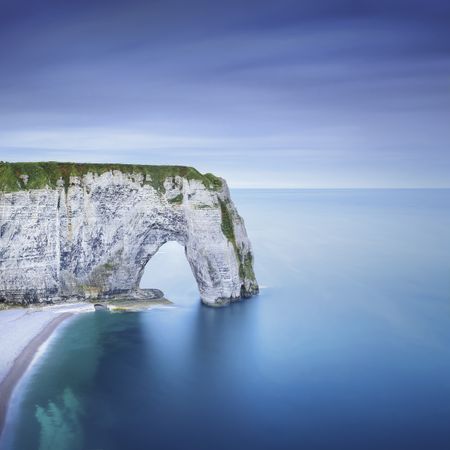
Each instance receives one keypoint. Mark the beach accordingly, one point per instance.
(23, 332)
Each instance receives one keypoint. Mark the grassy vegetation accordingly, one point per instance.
(48, 174)
(178, 199)
(215, 183)
(246, 266)
(119, 309)
(5, 306)
(227, 223)
(245, 261)
(99, 277)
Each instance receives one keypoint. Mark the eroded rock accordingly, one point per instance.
(87, 232)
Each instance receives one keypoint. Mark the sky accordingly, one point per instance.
(276, 94)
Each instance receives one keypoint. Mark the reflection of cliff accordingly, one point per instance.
(87, 231)
(202, 365)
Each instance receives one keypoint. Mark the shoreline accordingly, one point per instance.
(23, 361)
(24, 331)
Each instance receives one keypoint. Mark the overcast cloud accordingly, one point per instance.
(266, 94)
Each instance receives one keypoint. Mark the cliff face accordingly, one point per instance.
(87, 231)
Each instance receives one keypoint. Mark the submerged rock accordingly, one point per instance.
(75, 231)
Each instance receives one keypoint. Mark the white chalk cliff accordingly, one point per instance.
(87, 231)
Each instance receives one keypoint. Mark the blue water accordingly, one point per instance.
(347, 347)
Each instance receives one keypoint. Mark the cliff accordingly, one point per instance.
(83, 231)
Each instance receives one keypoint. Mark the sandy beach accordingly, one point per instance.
(24, 330)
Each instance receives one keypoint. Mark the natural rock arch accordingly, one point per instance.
(79, 231)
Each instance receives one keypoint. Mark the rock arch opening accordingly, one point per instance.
(169, 270)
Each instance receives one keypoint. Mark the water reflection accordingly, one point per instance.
(346, 347)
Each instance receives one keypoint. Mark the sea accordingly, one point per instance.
(346, 347)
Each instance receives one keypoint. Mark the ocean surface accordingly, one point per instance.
(346, 347)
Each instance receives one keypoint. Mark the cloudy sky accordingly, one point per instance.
(285, 93)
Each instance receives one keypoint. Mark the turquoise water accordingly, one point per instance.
(347, 347)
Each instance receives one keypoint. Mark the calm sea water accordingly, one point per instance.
(347, 347)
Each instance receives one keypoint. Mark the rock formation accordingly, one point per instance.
(86, 231)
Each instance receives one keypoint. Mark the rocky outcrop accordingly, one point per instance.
(87, 231)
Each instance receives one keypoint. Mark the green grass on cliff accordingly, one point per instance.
(47, 174)
(245, 261)
(227, 223)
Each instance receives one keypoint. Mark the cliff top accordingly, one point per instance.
(38, 175)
